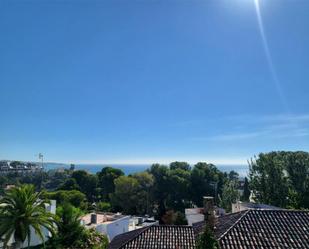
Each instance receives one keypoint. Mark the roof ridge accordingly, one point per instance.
(163, 225)
(231, 227)
(279, 210)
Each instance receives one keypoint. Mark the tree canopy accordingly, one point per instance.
(281, 178)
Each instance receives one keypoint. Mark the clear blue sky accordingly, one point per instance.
(146, 81)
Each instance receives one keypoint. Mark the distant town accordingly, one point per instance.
(7, 167)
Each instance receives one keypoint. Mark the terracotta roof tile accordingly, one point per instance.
(268, 229)
(251, 229)
(156, 237)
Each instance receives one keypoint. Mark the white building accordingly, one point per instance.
(109, 224)
(194, 215)
(137, 222)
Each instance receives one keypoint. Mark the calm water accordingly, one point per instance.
(242, 170)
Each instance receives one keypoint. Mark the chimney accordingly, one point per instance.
(93, 218)
(209, 211)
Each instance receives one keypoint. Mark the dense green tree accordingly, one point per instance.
(132, 193)
(69, 226)
(179, 189)
(69, 184)
(55, 179)
(106, 179)
(247, 192)
(233, 175)
(87, 183)
(74, 197)
(174, 218)
(37, 179)
(72, 234)
(281, 178)
(21, 209)
(180, 165)
(160, 188)
(206, 180)
(180, 219)
(207, 240)
(103, 206)
(125, 195)
(230, 195)
(268, 180)
(3, 181)
(144, 198)
(297, 170)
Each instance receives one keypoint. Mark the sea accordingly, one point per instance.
(128, 169)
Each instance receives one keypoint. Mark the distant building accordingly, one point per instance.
(194, 215)
(242, 206)
(109, 224)
(19, 167)
(137, 222)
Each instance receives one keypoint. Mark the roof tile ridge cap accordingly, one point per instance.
(143, 229)
(231, 227)
(163, 225)
(280, 210)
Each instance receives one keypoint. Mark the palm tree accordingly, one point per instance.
(70, 229)
(22, 210)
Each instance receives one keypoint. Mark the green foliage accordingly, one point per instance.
(281, 179)
(174, 218)
(180, 165)
(230, 195)
(180, 219)
(72, 235)
(87, 183)
(93, 240)
(20, 209)
(125, 195)
(160, 187)
(207, 240)
(69, 184)
(106, 179)
(37, 179)
(132, 193)
(143, 196)
(179, 189)
(3, 181)
(247, 192)
(104, 206)
(69, 226)
(74, 197)
(206, 180)
(233, 175)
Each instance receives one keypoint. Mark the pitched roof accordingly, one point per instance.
(250, 229)
(155, 237)
(223, 223)
(268, 229)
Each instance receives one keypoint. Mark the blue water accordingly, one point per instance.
(242, 170)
